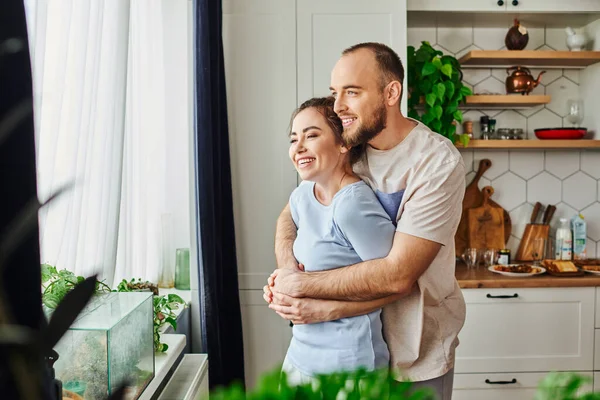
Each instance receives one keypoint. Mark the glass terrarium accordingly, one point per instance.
(110, 342)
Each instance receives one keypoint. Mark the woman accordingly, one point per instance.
(339, 222)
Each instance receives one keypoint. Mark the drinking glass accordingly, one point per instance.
(575, 111)
(471, 258)
(490, 256)
(538, 251)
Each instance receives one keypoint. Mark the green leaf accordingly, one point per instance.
(430, 99)
(458, 116)
(464, 139)
(413, 114)
(427, 117)
(465, 91)
(437, 62)
(447, 70)
(449, 89)
(436, 125)
(437, 111)
(451, 130)
(173, 298)
(439, 90)
(423, 55)
(172, 322)
(51, 300)
(449, 60)
(428, 69)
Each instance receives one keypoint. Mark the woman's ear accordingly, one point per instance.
(344, 149)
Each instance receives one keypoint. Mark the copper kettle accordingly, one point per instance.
(521, 80)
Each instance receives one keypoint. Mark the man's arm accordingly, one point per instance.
(310, 311)
(429, 219)
(395, 274)
(285, 234)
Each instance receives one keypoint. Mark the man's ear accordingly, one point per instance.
(393, 92)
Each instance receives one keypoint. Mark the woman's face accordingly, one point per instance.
(313, 147)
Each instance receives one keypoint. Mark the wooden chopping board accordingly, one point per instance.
(486, 224)
(474, 198)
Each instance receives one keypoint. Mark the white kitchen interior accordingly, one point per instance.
(279, 53)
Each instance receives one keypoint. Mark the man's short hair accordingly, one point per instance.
(390, 66)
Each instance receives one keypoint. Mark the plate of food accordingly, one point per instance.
(518, 270)
(590, 266)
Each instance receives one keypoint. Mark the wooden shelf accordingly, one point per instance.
(531, 144)
(532, 58)
(485, 101)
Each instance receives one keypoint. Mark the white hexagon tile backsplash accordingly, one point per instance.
(568, 179)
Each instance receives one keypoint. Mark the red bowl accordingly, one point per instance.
(560, 133)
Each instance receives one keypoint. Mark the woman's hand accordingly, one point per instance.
(302, 310)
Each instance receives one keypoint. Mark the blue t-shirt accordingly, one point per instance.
(353, 228)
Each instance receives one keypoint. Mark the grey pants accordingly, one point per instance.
(441, 385)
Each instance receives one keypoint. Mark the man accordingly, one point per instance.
(419, 177)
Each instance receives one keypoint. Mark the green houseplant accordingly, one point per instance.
(435, 90)
(381, 385)
(57, 283)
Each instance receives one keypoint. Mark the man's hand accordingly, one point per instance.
(302, 311)
(287, 281)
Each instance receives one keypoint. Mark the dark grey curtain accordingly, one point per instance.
(20, 280)
(219, 298)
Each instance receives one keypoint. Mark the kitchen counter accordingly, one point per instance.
(482, 278)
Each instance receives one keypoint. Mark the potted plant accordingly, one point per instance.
(435, 90)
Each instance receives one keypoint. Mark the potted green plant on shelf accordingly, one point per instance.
(435, 90)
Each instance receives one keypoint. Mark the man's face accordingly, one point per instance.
(359, 102)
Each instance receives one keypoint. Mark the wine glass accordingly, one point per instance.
(575, 111)
(471, 258)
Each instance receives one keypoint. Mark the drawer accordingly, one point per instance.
(494, 386)
(527, 330)
(597, 350)
(597, 308)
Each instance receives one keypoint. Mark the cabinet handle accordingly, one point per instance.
(515, 3)
(513, 381)
(502, 296)
(500, 3)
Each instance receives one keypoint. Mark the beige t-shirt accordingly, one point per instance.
(421, 184)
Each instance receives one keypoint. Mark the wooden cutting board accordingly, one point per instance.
(474, 198)
(486, 224)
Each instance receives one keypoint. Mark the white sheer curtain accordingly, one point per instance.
(79, 58)
(99, 90)
(144, 162)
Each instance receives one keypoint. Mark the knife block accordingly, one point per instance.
(532, 231)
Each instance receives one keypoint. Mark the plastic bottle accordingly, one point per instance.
(579, 227)
(564, 241)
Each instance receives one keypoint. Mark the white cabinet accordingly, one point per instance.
(523, 330)
(550, 6)
(266, 336)
(326, 28)
(259, 40)
(513, 386)
(596, 381)
(457, 5)
(511, 6)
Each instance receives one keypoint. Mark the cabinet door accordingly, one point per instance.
(326, 28)
(596, 382)
(521, 330)
(266, 336)
(458, 5)
(513, 386)
(259, 40)
(542, 6)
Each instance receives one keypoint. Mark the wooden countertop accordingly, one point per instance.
(482, 278)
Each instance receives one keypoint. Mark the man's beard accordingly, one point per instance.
(365, 133)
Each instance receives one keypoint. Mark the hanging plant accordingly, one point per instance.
(435, 91)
